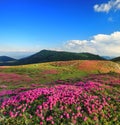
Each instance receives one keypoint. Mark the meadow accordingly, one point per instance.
(60, 93)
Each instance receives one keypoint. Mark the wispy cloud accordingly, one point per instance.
(106, 7)
(101, 44)
(110, 19)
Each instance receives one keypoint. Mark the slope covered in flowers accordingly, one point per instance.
(60, 93)
(25, 75)
(93, 101)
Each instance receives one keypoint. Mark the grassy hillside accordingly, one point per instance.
(64, 92)
(52, 71)
(117, 59)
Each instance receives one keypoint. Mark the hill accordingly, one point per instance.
(117, 59)
(50, 56)
(52, 71)
(81, 92)
(6, 59)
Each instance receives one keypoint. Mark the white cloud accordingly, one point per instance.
(101, 44)
(106, 7)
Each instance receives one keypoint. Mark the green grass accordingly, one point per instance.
(65, 70)
(35, 72)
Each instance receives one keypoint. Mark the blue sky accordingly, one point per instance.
(28, 26)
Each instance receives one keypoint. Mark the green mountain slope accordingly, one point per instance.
(6, 59)
(50, 56)
(117, 59)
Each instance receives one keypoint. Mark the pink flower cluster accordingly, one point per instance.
(11, 92)
(13, 77)
(73, 101)
(104, 79)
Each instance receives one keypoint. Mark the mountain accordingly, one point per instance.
(6, 59)
(108, 57)
(50, 56)
(117, 59)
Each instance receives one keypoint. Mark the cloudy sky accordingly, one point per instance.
(28, 26)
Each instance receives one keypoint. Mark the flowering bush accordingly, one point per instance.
(13, 77)
(94, 101)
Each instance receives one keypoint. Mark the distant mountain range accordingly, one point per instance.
(4, 59)
(108, 57)
(50, 56)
